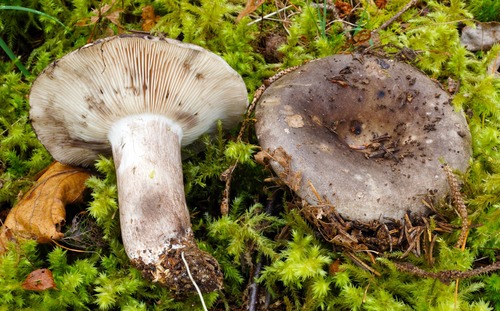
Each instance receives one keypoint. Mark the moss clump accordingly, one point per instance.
(484, 10)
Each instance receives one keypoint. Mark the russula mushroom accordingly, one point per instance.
(140, 98)
(366, 134)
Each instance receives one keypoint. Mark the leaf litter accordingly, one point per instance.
(41, 213)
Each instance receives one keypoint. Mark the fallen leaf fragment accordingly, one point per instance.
(380, 3)
(104, 12)
(39, 280)
(282, 162)
(361, 37)
(149, 18)
(334, 267)
(343, 8)
(250, 7)
(41, 213)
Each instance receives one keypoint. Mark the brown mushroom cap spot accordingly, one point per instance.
(371, 137)
(77, 99)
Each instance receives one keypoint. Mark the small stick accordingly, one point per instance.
(360, 263)
(269, 15)
(459, 205)
(254, 288)
(329, 7)
(446, 276)
(227, 176)
(395, 17)
(313, 189)
(462, 212)
(258, 93)
(194, 283)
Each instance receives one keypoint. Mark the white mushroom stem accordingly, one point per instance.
(153, 212)
(154, 219)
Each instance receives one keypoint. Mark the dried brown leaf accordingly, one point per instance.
(250, 7)
(102, 13)
(39, 280)
(343, 8)
(380, 3)
(114, 17)
(149, 18)
(262, 157)
(41, 212)
(334, 267)
(290, 178)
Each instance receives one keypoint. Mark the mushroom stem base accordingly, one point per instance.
(171, 270)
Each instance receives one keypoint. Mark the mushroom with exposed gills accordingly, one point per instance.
(140, 98)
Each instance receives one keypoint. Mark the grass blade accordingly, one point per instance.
(20, 8)
(13, 57)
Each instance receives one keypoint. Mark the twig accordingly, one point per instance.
(254, 289)
(227, 176)
(446, 276)
(398, 14)
(462, 212)
(194, 283)
(269, 15)
(329, 7)
(360, 263)
(459, 205)
(258, 93)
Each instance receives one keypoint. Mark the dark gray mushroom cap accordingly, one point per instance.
(75, 100)
(368, 134)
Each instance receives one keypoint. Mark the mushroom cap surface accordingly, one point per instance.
(76, 99)
(367, 134)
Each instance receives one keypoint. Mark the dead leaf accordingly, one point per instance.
(41, 213)
(262, 157)
(334, 267)
(362, 36)
(343, 8)
(100, 14)
(39, 280)
(284, 160)
(250, 7)
(380, 3)
(149, 19)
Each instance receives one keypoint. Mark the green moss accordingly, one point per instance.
(485, 10)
